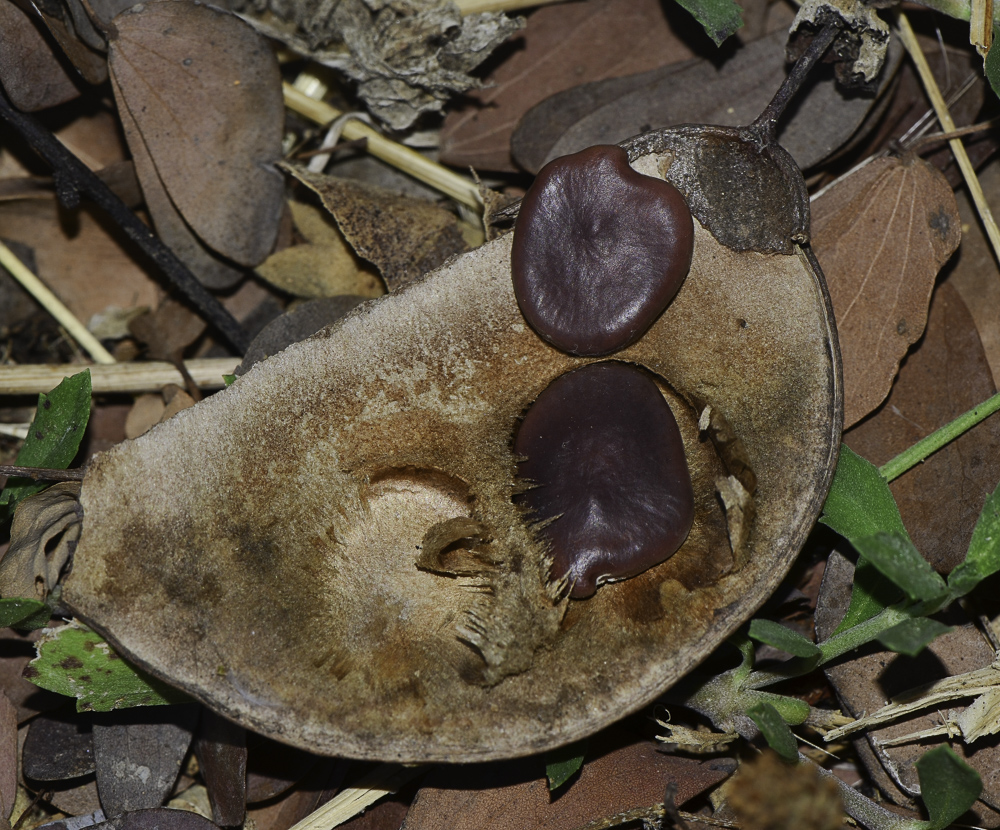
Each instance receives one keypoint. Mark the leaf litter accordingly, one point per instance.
(366, 235)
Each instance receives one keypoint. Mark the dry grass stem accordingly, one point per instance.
(382, 781)
(909, 40)
(121, 377)
(457, 187)
(54, 306)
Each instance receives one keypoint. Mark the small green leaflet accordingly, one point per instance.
(562, 763)
(775, 634)
(774, 729)
(75, 661)
(948, 786)
(911, 636)
(54, 436)
(859, 502)
(983, 557)
(992, 63)
(719, 18)
(896, 557)
(24, 614)
(229, 380)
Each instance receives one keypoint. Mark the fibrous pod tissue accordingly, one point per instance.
(334, 550)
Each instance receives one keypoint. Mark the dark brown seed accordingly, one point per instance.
(607, 459)
(599, 251)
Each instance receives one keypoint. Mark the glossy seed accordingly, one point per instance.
(599, 251)
(604, 452)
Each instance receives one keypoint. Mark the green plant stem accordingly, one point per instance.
(959, 9)
(926, 447)
(854, 637)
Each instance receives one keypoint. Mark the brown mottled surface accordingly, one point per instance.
(260, 548)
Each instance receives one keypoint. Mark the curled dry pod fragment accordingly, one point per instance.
(329, 551)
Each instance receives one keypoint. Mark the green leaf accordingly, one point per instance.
(774, 729)
(54, 436)
(719, 18)
(229, 380)
(871, 594)
(859, 502)
(896, 557)
(792, 709)
(25, 614)
(983, 557)
(992, 63)
(775, 634)
(910, 636)
(75, 661)
(562, 763)
(948, 786)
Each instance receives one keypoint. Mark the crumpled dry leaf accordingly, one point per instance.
(408, 57)
(862, 40)
(31, 74)
(43, 535)
(282, 518)
(620, 773)
(882, 234)
(697, 91)
(946, 376)
(561, 46)
(184, 63)
(325, 266)
(404, 237)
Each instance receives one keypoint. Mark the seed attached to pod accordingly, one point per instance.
(607, 460)
(599, 251)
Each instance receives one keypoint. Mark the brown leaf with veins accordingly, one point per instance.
(881, 235)
(561, 47)
(204, 92)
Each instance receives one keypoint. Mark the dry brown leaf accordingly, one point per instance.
(769, 793)
(881, 235)
(31, 74)
(8, 756)
(204, 92)
(89, 267)
(280, 581)
(314, 271)
(697, 91)
(404, 237)
(946, 376)
(88, 60)
(620, 774)
(562, 46)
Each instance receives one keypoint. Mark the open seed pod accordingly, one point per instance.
(330, 553)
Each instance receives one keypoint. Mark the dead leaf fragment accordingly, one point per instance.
(404, 237)
(31, 74)
(881, 235)
(45, 530)
(561, 47)
(204, 92)
(940, 499)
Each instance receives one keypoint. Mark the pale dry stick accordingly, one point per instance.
(467, 7)
(134, 378)
(948, 125)
(382, 781)
(458, 187)
(53, 305)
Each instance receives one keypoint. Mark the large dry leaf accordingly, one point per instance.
(30, 73)
(204, 92)
(699, 91)
(88, 264)
(620, 774)
(404, 237)
(562, 46)
(280, 520)
(939, 500)
(882, 234)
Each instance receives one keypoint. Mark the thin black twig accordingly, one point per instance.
(43, 473)
(72, 178)
(764, 129)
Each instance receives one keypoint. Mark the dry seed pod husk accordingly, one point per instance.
(260, 550)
